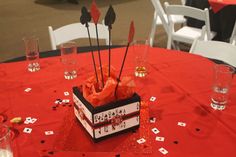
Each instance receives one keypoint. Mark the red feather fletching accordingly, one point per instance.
(95, 13)
(131, 32)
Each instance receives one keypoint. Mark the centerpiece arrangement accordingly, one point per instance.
(106, 104)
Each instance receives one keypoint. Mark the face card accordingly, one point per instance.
(152, 98)
(155, 131)
(27, 89)
(66, 93)
(49, 132)
(161, 139)
(163, 150)
(141, 140)
(182, 124)
(27, 130)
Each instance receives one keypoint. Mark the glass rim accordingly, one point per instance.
(231, 68)
(29, 38)
(7, 132)
(67, 44)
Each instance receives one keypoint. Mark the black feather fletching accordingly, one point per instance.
(85, 16)
(110, 17)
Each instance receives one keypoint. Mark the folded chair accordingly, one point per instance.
(160, 18)
(76, 31)
(218, 50)
(187, 34)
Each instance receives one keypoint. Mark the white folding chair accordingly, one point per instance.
(76, 31)
(218, 50)
(187, 34)
(233, 35)
(160, 18)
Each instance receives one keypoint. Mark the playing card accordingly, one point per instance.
(141, 140)
(160, 138)
(49, 132)
(58, 101)
(163, 150)
(28, 120)
(152, 120)
(65, 100)
(155, 131)
(27, 89)
(152, 98)
(33, 120)
(182, 124)
(66, 93)
(27, 130)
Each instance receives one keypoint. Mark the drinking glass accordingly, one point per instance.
(223, 75)
(68, 59)
(5, 141)
(32, 53)
(141, 49)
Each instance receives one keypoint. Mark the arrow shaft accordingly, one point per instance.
(99, 56)
(109, 54)
(94, 63)
(121, 69)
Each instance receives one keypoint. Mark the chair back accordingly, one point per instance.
(188, 11)
(233, 35)
(218, 50)
(76, 31)
(159, 11)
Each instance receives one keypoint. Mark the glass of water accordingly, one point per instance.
(223, 75)
(141, 49)
(5, 141)
(32, 53)
(68, 59)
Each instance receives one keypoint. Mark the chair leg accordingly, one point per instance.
(152, 34)
(169, 42)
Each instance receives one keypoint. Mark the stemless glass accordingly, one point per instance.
(5, 141)
(32, 53)
(141, 49)
(68, 59)
(223, 75)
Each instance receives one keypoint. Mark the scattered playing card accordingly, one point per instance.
(152, 120)
(27, 130)
(58, 101)
(155, 131)
(163, 150)
(27, 89)
(141, 140)
(66, 93)
(33, 120)
(49, 132)
(182, 124)
(152, 98)
(65, 100)
(27, 120)
(160, 138)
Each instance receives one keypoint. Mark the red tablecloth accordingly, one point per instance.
(181, 82)
(217, 5)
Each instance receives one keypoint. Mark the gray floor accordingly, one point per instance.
(21, 18)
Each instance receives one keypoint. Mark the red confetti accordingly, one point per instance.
(131, 32)
(95, 13)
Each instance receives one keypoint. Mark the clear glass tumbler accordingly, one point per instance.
(5, 142)
(32, 53)
(223, 75)
(68, 59)
(141, 49)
